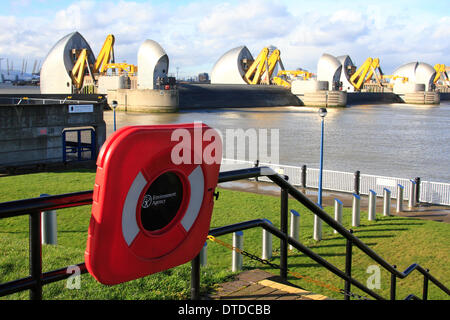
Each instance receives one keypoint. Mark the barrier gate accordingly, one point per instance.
(73, 150)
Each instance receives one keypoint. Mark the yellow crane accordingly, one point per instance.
(263, 64)
(370, 67)
(285, 77)
(441, 73)
(104, 61)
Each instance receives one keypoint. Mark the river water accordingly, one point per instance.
(396, 140)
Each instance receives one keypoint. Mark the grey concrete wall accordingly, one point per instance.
(445, 96)
(144, 100)
(372, 97)
(32, 133)
(192, 96)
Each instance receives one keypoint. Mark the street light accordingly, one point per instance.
(114, 106)
(317, 220)
(322, 114)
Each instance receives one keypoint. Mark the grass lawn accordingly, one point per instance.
(400, 241)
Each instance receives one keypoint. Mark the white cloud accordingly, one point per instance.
(196, 34)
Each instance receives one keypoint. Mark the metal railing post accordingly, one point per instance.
(236, 257)
(425, 286)
(386, 202)
(35, 255)
(337, 211)
(372, 214)
(284, 230)
(417, 199)
(294, 227)
(400, 190)
(348, 265)
(393, 284)
(356, 210)
(195, 278)
(304, 176)
(412, 194)
(266, 243)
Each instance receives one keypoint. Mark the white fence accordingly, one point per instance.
(430, 192)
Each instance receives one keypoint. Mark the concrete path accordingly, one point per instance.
(422, 211)
(257, 284)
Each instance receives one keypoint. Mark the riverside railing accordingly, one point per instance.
(37, 279)
(428, 192)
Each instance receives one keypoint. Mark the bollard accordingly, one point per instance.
(204, 255)
(357, 181)
(356, 210)
(412, 194)
(266, 243)
(400, 198)
(304, 176)
(387, 202)
(338, 211)
(238, 242)
(372, 215)
(295, 225)
(48, 226)
(417, 198)
(317, 232)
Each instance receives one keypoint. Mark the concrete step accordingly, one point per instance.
(261, 285)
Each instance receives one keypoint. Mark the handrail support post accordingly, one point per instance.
(393, 284)
(348, 266)
(284, 230)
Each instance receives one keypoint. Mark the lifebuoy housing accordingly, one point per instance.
(151, 212)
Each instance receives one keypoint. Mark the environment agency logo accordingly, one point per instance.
(147, 201)
(244, 144)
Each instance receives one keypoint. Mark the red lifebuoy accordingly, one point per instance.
(150, 213)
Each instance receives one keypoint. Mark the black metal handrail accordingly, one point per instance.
(34, 207)
(351, 239)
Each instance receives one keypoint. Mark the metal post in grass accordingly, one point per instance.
(412, 194)
(400, 190)
(317, 228)
(266, 243)
(236, 259)
(48, 226)
(338, 211)
(386, 202)
(295, 225)
(204, 255)
(356, 210)
(372, 205)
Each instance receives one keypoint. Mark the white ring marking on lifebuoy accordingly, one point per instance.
(130, 228)
(197, 185)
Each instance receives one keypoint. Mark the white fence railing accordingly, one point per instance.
(430, 192)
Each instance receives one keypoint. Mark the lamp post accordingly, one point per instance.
(114, 106)
(317, 221)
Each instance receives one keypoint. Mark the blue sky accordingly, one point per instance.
(196, 33)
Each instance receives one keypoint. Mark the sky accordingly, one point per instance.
(196, 33)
